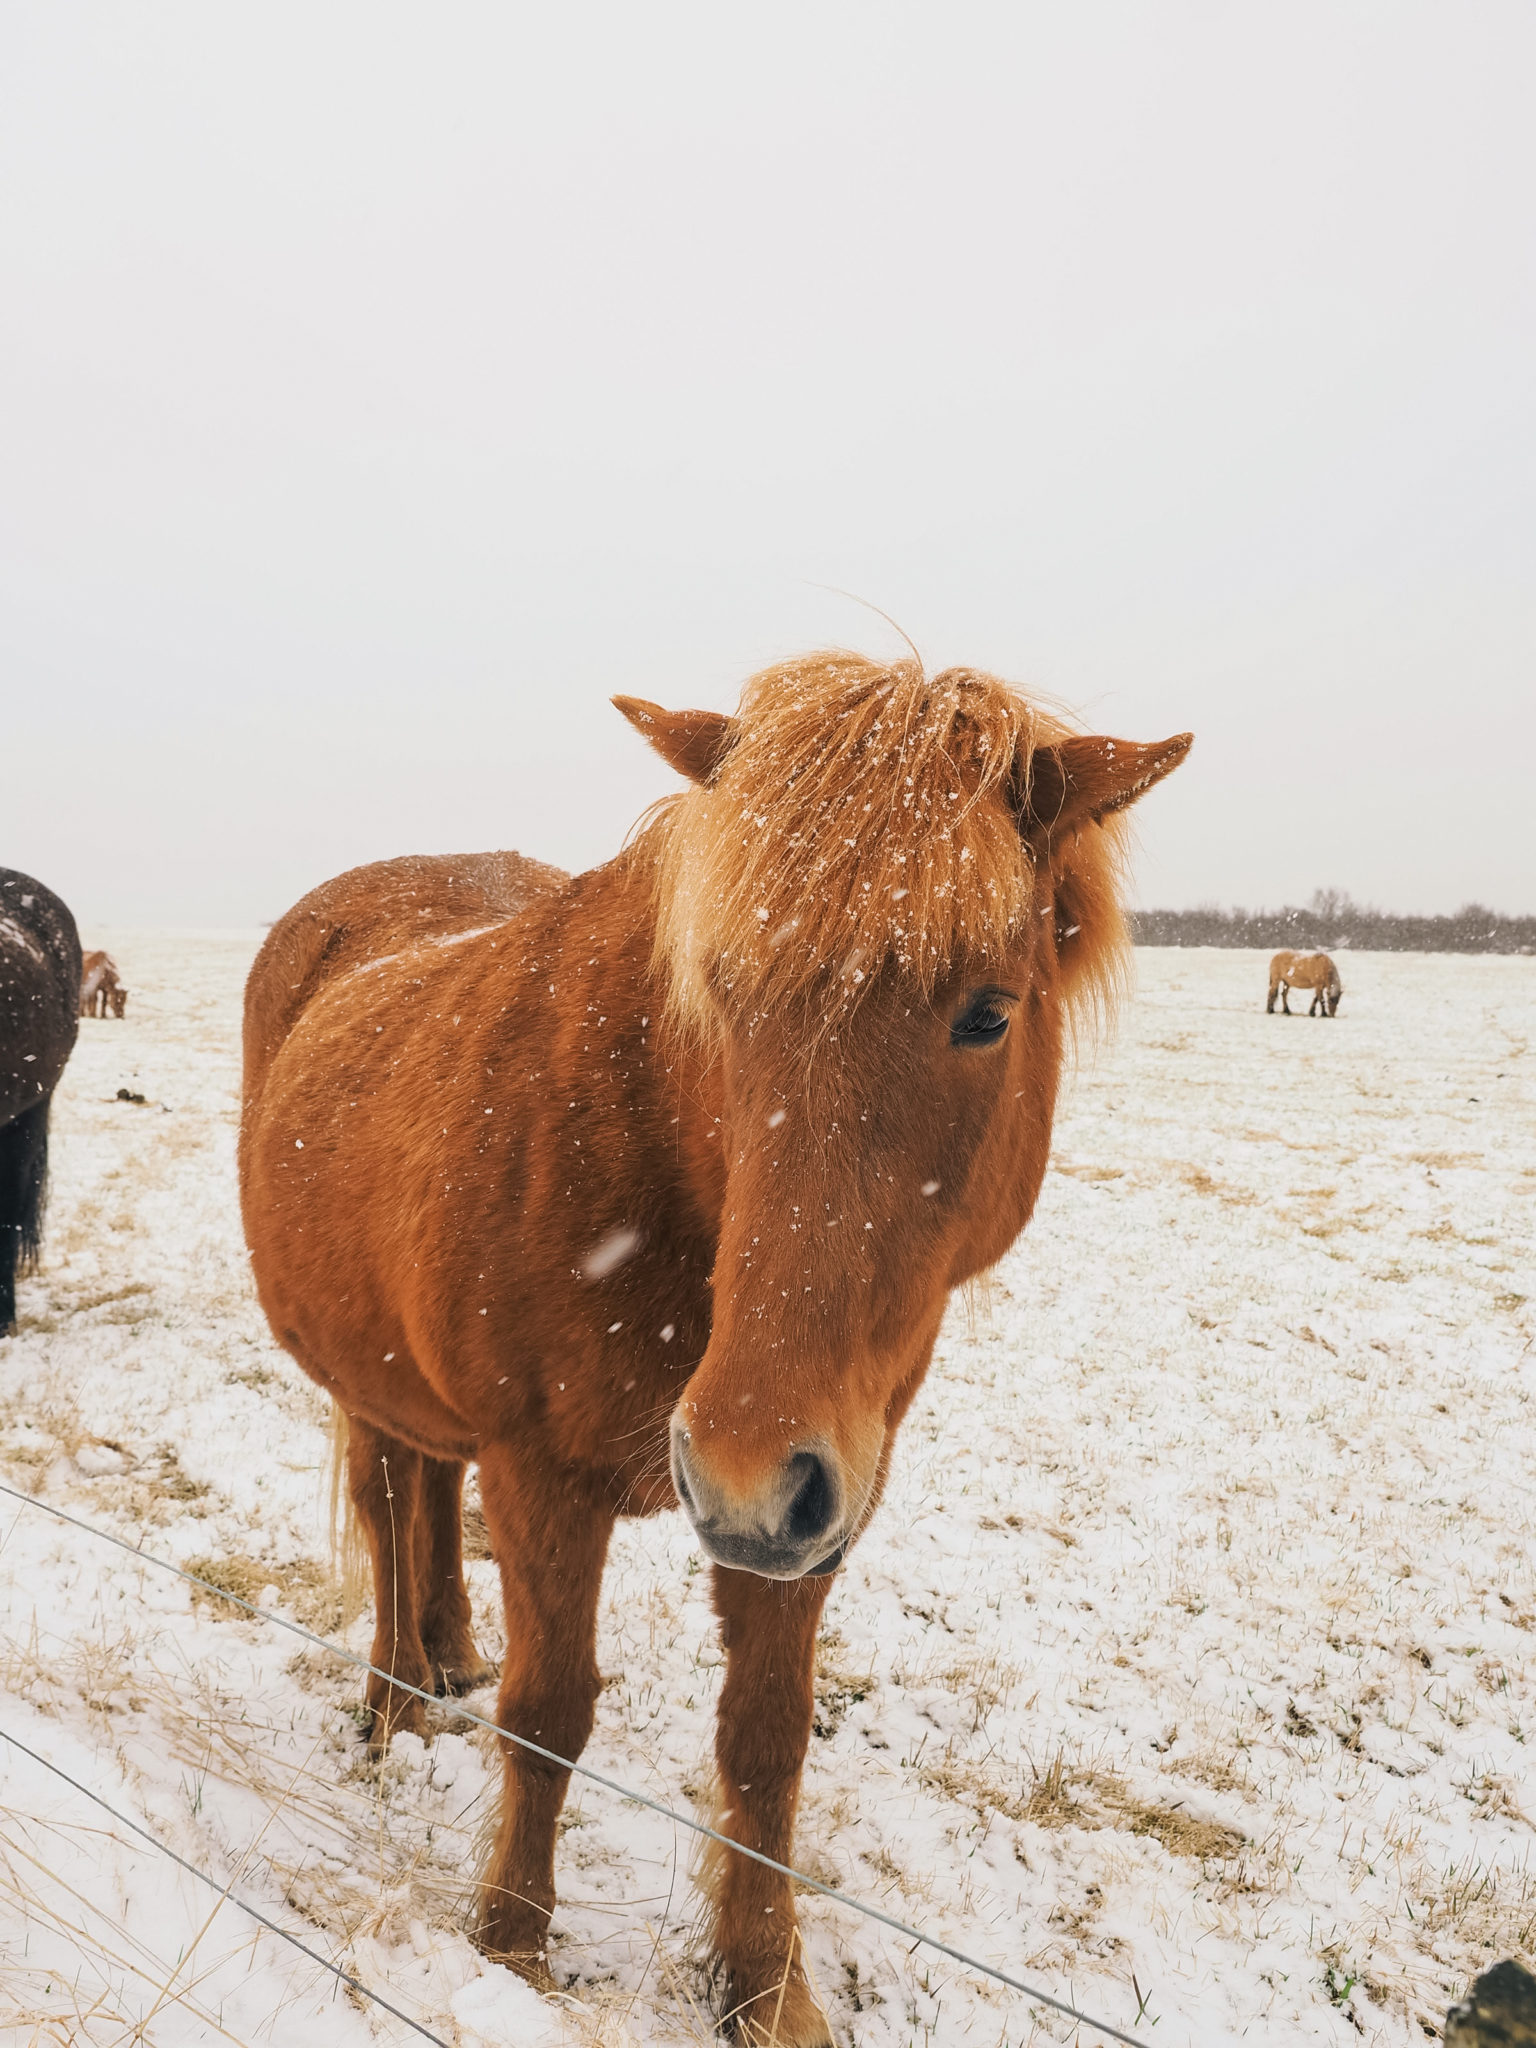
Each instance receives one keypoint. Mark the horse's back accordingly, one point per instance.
(39, 990)
(368, 913)
(96, 970)
(1312, 970)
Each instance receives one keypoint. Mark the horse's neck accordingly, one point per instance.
(600, 942)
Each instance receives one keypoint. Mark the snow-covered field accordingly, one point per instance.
(1187, 1671)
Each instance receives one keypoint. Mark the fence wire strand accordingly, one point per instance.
(224, 1891)
(915, 1935)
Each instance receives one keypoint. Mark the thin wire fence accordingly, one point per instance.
(225, 1891)
(914, 1935)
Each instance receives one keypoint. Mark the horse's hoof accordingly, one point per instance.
(533, 1969)
(786, 2014)
(454, 1680)
(408, 1718)
(527, 1958)
(763, 2034)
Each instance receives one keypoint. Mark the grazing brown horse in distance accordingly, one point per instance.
(1305, 970)
(647, 1188)
(101, 992)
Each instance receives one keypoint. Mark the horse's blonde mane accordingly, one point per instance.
(866, 812)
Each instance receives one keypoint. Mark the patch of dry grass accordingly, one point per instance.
(312, 1594)
(840, 1683)
(1067, 1795)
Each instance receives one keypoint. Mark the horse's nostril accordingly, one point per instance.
(811, 1510)
(680, 1479)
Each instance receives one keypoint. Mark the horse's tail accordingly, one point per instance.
(349, 1554)
(23, 1192)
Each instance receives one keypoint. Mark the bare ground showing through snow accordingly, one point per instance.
(1188, 1668)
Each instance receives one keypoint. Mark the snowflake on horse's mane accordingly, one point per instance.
(865, 814)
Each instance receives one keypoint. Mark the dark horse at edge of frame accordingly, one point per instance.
(647, 1188)
(39, 1001)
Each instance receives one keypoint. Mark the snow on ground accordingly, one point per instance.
(1187, 1670)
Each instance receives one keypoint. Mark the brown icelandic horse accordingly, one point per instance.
(648, 1188)
(1305, 970)
(101, 992)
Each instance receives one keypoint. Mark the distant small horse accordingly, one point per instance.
(1305, 970)
(647, 1188)
(101, 992)
(39, 990)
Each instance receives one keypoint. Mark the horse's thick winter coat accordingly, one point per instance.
(648, 1188)
(1305, 970)
(39, 995)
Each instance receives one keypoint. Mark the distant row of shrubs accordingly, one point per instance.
(1332, 920)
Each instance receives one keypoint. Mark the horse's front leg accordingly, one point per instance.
(769, 1630)
(550, 1532)
(447, 1627)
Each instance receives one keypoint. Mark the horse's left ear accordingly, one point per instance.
(1081, 780)
(695, 743)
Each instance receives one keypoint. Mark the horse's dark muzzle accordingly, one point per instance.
(786, 1531)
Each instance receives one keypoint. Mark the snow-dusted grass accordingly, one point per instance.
(1188, 1667)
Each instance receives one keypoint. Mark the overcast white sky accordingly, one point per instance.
(382, 387)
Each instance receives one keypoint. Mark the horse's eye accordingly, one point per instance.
(982, 1022)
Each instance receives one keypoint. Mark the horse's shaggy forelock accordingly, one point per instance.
(866, 814)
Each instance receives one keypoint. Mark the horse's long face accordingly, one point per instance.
(864, 1182)
(883, 1139)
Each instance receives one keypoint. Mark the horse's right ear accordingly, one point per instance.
(695, 743)
(1080, 781)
